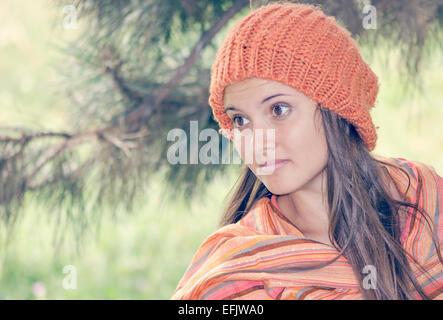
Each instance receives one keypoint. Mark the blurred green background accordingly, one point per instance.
(144, 253)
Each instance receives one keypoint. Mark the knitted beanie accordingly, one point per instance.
(299, 46)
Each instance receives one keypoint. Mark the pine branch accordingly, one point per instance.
(196, 51)
(147, 107)
(69, 141)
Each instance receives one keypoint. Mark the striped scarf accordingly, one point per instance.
(255, 258)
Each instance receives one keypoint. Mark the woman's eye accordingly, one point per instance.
(239, 121)
(279, 110)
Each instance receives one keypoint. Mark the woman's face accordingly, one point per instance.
(298, 154)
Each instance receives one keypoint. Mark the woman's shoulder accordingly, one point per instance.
(415, 179)
(413, 167)
(215, 253)
(409, 175)
(422, 186)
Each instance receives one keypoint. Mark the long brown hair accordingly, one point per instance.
(364, 218)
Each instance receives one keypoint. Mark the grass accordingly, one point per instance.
(136, 256)
(142, 255)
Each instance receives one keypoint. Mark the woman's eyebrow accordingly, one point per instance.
(264, 100)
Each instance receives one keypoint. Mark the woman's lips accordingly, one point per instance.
(269, 165)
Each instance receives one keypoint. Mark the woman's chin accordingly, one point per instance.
(277, 188)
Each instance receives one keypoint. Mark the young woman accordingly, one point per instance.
(329, 220)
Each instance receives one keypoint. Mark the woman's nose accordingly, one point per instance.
(264, 145)
(257, 145)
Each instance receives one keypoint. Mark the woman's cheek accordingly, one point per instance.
(243, 143)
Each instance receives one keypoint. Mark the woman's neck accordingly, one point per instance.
(307, 209)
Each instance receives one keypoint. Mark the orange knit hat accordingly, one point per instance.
(297, 45)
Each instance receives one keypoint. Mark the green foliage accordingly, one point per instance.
(137, 256)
